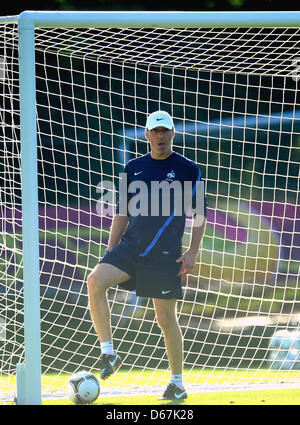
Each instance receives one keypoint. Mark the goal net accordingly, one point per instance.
(233, 94)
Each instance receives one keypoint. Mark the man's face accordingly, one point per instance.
(160, 139)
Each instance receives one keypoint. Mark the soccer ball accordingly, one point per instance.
(83, 388)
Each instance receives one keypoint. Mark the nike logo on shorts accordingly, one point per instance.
(165, 292)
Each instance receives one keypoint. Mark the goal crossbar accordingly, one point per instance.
(44, 19)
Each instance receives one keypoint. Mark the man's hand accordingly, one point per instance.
(188, 260)
(117, 229)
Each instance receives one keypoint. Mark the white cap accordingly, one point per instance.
(159, 119)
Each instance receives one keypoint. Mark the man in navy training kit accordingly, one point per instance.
(144, 250)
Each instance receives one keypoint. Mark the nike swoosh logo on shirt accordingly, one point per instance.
(137, 172)
(165, 292)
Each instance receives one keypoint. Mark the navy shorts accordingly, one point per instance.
(153, 276)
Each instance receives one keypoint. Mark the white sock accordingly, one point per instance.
(107, 347)
(177, 380)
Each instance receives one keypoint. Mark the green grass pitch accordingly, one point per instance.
(124, 379)
(266, 397)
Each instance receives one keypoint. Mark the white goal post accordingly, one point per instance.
(230, 81)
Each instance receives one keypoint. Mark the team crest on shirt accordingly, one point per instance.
(170, 176)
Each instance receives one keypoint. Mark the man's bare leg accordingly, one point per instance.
(167, 320)
(103, 277)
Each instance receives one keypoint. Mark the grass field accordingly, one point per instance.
(266, 397)
(123, 381)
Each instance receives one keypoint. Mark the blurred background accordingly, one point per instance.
(16, 7)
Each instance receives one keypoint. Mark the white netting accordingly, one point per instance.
(234, 100)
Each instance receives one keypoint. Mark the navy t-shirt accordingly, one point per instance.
(157, 217)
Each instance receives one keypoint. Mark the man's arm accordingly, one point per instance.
(118, 227)
(188, 259)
